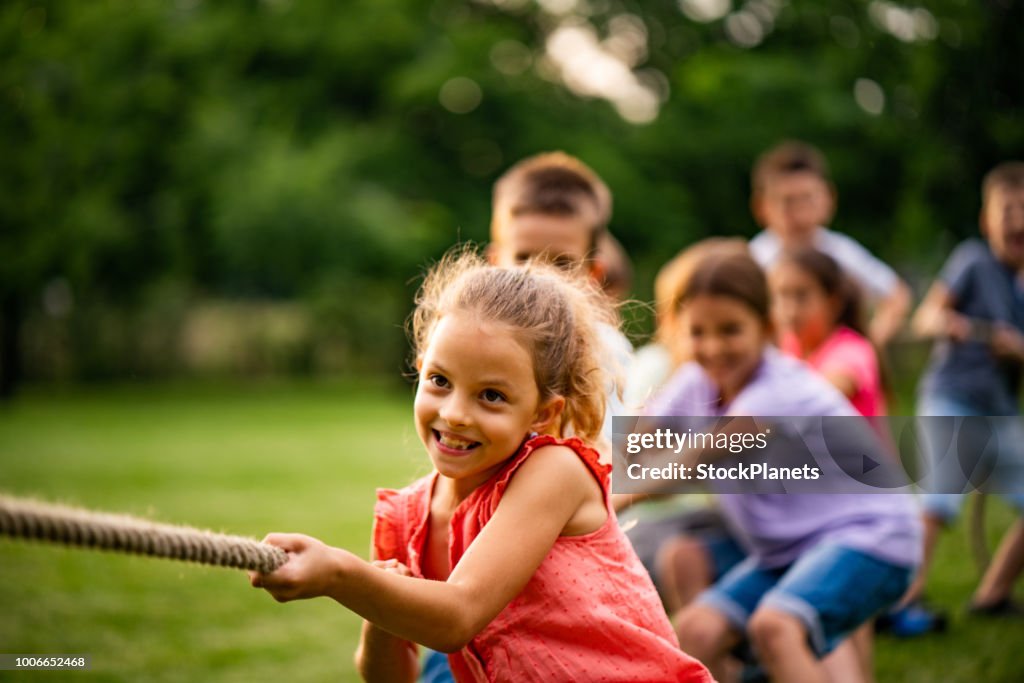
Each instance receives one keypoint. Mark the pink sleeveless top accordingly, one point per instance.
(589, 613)
(848, 353)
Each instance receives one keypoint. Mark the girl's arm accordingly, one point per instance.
(890, 314)
(545, 494)
(843, 381)
(380, 655)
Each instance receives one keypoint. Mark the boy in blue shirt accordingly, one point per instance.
(975, 312)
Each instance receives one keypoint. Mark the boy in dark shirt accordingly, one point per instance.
(975, 312)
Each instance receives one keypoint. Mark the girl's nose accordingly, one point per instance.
(454, 411)
(712, 348)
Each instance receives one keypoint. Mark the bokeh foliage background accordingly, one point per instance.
(241, 188)
(252, 186)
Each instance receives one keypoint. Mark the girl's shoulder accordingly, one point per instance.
(783, 385)
(566, 448)
(847, 335)
(845, 345)
(688, 391)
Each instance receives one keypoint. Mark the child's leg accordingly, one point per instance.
(1006, 566)
(711, 626)
(685, 570)
(936, 432)
(853, 659)
(781, 643)
(690, 563)
(708, 635)
(825, 595)
(934, 523)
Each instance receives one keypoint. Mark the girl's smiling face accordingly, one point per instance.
(727, 337)
(477, 398)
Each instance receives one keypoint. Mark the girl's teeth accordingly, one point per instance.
(452, 442)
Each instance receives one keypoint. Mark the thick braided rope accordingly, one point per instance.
(72, 526)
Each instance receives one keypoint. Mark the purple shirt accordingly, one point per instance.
(778, 528)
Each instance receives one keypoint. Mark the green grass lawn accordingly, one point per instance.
(275, 457)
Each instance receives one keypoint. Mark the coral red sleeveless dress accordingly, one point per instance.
(589, 613)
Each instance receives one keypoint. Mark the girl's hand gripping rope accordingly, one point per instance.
(311, 568)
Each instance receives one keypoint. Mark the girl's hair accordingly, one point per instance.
(672, 280)
(731, 274)
(551, 313)
(830, 276)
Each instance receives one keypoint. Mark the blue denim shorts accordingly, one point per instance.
(831, 589)
(1008, 465)
(435, 668)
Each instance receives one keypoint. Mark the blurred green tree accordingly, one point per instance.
(325, 152)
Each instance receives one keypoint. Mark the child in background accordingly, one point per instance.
(553, 207)
(820, 565)
(654, 363)
(793, 199)
(817, 314)
(975, 312)
(508, 555)
(702, 547)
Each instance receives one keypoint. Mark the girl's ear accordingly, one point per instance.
(548, 415)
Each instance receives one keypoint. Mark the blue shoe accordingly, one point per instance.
(916, 619)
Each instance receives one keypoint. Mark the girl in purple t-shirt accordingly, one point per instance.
(819, 564)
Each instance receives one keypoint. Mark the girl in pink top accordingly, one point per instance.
(817, 313)
(507, 555)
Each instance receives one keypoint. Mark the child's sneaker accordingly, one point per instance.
(915, 619)
(1006, 607)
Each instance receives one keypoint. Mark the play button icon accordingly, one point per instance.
(867, 464)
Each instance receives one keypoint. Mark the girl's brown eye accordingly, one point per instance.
(492, 396)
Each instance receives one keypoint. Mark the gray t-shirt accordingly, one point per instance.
(983, 289)
(875, 278)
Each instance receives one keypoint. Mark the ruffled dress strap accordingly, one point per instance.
(590, 457)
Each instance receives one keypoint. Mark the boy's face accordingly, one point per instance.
(563, 240)
(1002, 223)
(794, 205)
